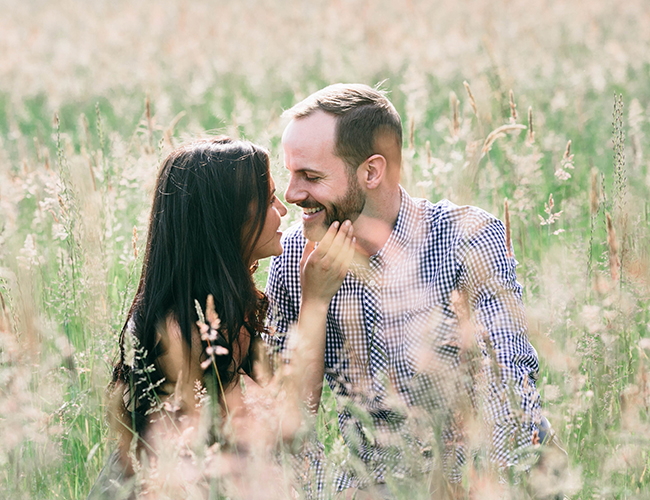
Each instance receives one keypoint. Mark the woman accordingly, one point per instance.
(214, 215)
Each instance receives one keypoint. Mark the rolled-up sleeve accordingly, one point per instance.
(510, 398)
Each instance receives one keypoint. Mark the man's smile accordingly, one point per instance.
(311, 214)
(310, 211)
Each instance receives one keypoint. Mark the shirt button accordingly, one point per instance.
(372, 283)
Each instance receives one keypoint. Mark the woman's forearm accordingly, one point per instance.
(308, 360)
(322, 271)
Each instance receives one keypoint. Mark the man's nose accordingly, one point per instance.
(294, 194)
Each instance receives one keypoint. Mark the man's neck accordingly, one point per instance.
(373, 227)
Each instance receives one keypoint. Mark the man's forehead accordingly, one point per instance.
(313, 131)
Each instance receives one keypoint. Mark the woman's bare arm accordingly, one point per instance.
(322, 271)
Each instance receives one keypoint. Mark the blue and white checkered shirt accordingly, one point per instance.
(395, 342)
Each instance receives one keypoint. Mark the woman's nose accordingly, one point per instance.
(282, 208)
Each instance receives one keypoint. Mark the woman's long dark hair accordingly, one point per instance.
(208, 211)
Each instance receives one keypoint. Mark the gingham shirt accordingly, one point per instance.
(393, 341)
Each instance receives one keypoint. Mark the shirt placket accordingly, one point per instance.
(372, 308)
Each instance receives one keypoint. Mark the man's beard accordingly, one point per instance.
(347, 208)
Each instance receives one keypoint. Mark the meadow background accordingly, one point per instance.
(92, 95)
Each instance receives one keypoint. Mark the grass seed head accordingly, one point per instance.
(513, 107)
(499, 132)
(531, 131)
(567, 152)
(472, 101)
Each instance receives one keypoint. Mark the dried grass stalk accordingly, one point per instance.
(147, 106)
(460, 306)
(593, 196)
(455, 118)
(86, 128)
(508, 230)
(5, 323)
(92, 172)
(134, 241)
(614, 263)
(169, 131)
(37, 147)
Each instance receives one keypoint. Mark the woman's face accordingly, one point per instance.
(269, 241)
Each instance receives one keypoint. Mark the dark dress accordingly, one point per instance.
(112, 483)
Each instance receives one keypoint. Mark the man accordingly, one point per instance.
(431, 285)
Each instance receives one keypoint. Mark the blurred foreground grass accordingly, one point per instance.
(93, 95)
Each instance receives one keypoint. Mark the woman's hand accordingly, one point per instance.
(323, 268)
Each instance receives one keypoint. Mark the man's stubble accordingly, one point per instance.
(347, 208)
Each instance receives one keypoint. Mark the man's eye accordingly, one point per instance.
(311, 178)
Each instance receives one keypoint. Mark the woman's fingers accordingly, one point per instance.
(341, 245)
(330, 251)
(342, 236)
(309, 248)
(329, 237)
(324, 268)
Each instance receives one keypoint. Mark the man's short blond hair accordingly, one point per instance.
(362, 114)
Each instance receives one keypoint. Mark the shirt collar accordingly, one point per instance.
(402, 233)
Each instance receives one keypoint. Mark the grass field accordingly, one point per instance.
(93, 94)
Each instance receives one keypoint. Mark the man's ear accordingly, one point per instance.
(373, 171)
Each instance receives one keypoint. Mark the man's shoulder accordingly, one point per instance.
(292, 241)
(464, 219)
(293, 235)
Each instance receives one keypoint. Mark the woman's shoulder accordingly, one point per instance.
(175, 362)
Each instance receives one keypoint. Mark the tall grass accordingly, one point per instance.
(91, 98)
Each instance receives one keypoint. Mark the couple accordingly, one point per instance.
(388, 305)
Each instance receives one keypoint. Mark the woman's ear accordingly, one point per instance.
(373, 171)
